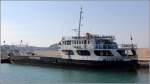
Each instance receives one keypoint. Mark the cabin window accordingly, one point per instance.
(74, 42)
(84, 41)
(103, 53)
(68, 52)
(127, 52)
(79, 42)
(88, 42)
(121, 52)
(83, 52)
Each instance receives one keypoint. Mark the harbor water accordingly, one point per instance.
(33, 74)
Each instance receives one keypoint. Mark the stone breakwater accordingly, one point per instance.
(143, 53)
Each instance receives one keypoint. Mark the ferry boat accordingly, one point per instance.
(88, 50)
(97, 50)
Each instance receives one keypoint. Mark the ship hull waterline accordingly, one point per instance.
(79, 63)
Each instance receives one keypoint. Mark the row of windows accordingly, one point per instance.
(87, 53)
(106, 46)
(69, 42)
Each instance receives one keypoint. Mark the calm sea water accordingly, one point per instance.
(29, 74)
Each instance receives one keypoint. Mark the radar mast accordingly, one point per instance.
(80, 22)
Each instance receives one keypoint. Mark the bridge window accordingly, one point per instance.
(83, 52)
(103, 53)
(68, 42)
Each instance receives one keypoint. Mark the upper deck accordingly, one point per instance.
(91, 41)
(89, 36)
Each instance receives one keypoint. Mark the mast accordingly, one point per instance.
(80, 22)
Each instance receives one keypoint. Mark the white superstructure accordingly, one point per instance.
(96, 48)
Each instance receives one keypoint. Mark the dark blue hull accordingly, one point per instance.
(82, 63)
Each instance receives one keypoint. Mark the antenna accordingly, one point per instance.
(80, 22)
(79, 28)
(131, 38)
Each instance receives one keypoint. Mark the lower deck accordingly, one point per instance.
(98, 55)
(70, 62)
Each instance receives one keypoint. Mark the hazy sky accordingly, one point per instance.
(42, 23)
